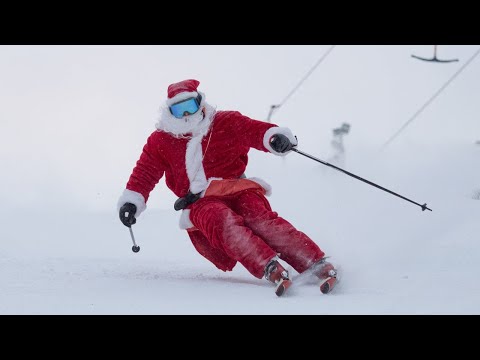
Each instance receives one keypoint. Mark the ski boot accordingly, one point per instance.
(276, 274)
(327, 274)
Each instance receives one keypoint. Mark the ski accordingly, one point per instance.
(328, 278)
(282, 286)
(327, 285)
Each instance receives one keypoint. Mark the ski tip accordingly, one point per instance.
(327, 285)
(282, 287)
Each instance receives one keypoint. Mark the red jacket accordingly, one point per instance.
(229, 139)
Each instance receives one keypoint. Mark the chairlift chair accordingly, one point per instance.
(434, 59)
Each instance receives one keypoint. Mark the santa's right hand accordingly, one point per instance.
(127, 214)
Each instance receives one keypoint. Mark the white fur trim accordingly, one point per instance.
(185, 222)
(278, 130)
(133, 197)
(194, 166)
(182, 96)
(262, 183)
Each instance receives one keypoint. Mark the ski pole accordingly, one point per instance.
(135, 247)
(424, 206)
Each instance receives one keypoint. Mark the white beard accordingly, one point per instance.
(196, 124)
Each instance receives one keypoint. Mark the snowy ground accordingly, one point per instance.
(394, 258)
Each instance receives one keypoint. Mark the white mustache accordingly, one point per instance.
(191, 124)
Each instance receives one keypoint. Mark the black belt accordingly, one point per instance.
(183, 202)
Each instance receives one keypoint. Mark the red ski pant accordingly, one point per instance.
(245, 229)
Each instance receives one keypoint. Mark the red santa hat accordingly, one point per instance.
(182, 90)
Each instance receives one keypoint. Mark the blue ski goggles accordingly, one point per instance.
(186, 107)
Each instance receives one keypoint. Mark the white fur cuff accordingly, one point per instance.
(278, 130)
(185, 222)
(133, 197)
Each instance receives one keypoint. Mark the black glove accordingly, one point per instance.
(280, 143)
(127, 214)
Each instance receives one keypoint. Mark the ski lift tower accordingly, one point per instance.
(272, 109)
(337, 144)
(435, 58)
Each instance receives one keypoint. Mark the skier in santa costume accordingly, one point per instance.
(203, 155)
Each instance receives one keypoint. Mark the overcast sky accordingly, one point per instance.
(75, 118)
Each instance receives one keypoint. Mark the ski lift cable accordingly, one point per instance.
(309, 73)
(459, 71)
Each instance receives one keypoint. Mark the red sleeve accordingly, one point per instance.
(251, 131)
(149, 168)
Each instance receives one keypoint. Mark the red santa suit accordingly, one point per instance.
(232, 221)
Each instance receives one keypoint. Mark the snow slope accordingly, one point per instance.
(394, 258)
